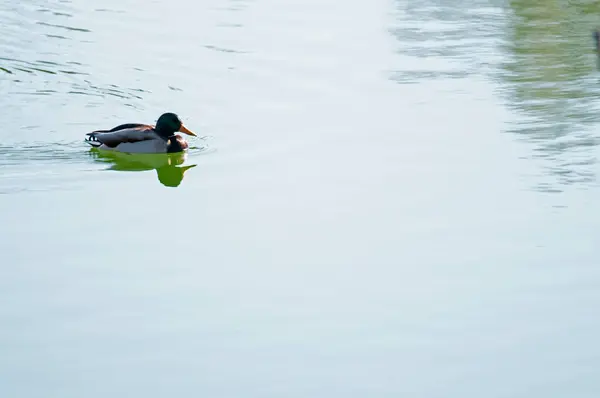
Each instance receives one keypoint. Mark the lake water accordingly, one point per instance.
(389, 199)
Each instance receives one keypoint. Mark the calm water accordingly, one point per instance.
(389, 199)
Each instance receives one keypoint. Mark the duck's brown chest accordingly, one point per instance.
(176, 143)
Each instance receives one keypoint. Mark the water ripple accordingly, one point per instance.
(29, 71)
(438, 30)
(55, 152)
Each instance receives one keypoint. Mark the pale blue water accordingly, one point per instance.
(390, 199)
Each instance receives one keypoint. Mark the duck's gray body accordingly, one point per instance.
(135, 138)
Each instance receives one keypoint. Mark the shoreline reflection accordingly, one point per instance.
(549, 82)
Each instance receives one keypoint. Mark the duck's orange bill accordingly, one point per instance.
(184, 129)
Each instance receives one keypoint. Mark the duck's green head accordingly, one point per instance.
(169, 124)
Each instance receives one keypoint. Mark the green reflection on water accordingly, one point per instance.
(552, 84)
(169, 171)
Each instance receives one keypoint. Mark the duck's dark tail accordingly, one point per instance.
(92, 140)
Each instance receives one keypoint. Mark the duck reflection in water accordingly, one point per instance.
(168, 166)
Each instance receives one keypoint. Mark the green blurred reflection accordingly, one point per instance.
(168, 167)
(552, 84)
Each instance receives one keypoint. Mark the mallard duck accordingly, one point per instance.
(143, 138)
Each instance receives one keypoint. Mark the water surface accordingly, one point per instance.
(386, 199)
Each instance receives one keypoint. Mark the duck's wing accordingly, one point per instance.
(129, 126)
(130, 132)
